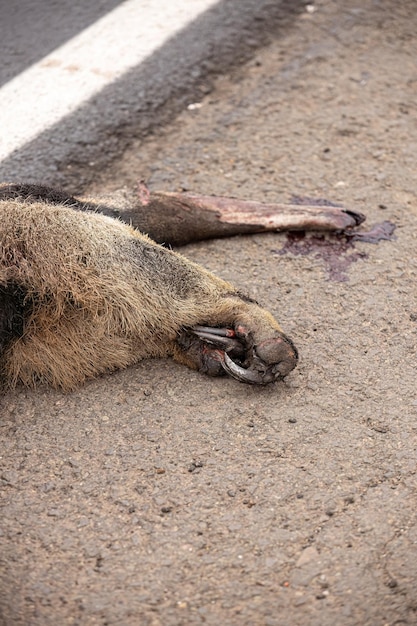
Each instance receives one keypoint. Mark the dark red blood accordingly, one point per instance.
(335, 252)
(379, 232)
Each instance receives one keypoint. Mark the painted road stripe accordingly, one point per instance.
(58, 84)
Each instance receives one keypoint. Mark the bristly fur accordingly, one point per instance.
(82, 294)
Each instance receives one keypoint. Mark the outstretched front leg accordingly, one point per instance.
(82, 294)
(242, 340)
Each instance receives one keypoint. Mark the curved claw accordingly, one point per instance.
(272, 359)
(240, 373)
(222, 337)
(259, 364)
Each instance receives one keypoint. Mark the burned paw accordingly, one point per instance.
(236, 353)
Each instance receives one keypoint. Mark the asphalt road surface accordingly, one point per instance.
(158, 497)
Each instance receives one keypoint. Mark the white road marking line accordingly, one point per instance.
(56, 86)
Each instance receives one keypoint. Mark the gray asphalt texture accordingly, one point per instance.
(159, 497)
(146, 97)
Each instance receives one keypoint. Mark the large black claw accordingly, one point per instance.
(262, 371)
(258, 364)
(244, 375)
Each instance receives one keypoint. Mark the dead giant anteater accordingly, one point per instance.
(83, 293)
